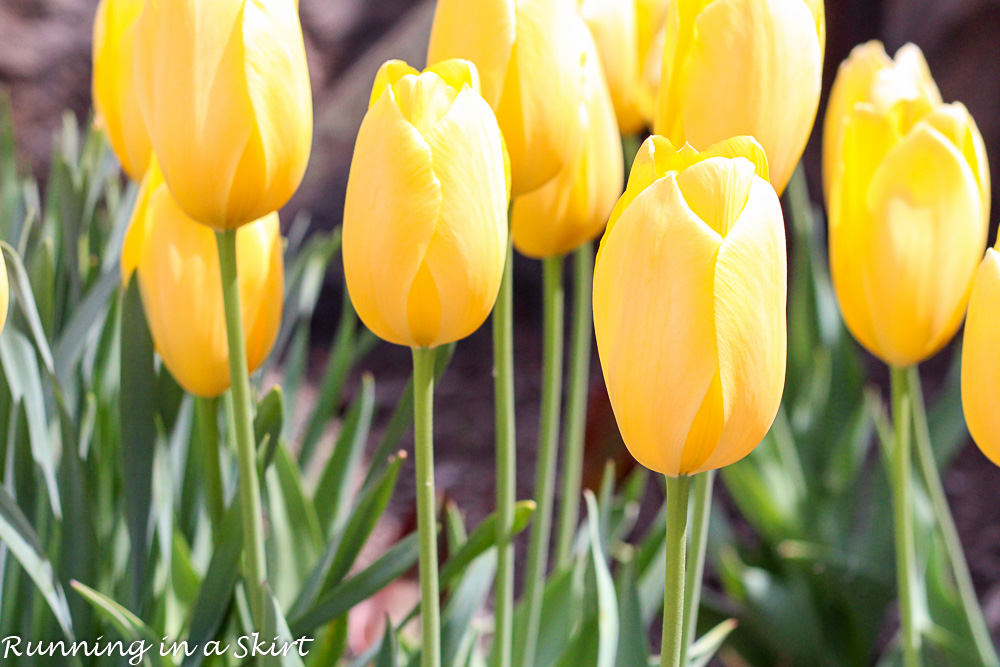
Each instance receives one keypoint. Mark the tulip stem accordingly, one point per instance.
(928, 469)
(254, 563)
(576, 401)
(701, 512)
(423, 430)
(206, 412)
(678, 490)
(506, 462)
(548, 438)
(902, 500)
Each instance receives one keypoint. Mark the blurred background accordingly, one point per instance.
(45, 69)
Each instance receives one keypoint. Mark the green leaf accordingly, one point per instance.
(26, 301)
(633, 641)
(607, 600)
(20, 366)
(20, 538)
(267, 425)
(392, 565)
(276, 626)
(138, 410)
(127, 624)
(85, 323)
(703, 650)
(484, 537)
(389, 649)
(334, 489)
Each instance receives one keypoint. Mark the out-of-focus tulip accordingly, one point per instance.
(177, 263)
(689, 305)
(4, 292)
(573, 207)
(981, 358)
(224, 92)
(113, 86)
(425, 217)
(907, 187)
(529, 64)
(627, 33)
(743, 67)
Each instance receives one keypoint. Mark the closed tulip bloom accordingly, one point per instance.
(908, 198)
(529, 65)
(981, 358)
(425, 216)
(573, 207)
(113, 86)
(743, 67)
(224, 91)
(177, 262)
(689, 305)
(629, 37)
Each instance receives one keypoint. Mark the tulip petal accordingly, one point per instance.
(717, 189)
(391, 212)
(653, 278)
(194, 99)
(745, 147)
(538, 111)
(750, 328)
(138, 229)
(389, 73)
(772, 96)
(466, 254)
(481, 31)
(955, 122)
(927, 209)
(980, 358)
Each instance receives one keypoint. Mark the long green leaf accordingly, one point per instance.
(26, 301)
(127, 624)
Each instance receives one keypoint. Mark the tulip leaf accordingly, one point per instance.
(276, 626)
(267, 425)
(632, 639)
(78, 334)
(482, 538)
(129, 626)
(138, 414)
(26, 301)
(389, 649)
(342, 597)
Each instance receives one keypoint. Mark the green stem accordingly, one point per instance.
(576, 401)
(700, 514)
(548, 438)
(206, 412)
(928, 469)
(423, 429)
(678, 489)
(254, 563)
(506, 462)
(902, 507)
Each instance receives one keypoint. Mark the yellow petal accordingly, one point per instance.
(138, 230)
(750, 329)
(573, 207)
(481, 31)
(182, 294)
(538, 111)
(391, 210)
(923, 209)
(615, 27)
(655, 334)
(955, 122)
(389, 73)
(981, 360)
(774, 93)
(114, 92)
(466, 254)
(717, 189)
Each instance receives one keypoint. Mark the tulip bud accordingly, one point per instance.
(573, 207)
(114, 93)
(743, 67)
(177, 263)
(981, 358)
(530, 69)
(689, 305)
(224, 91)
(425, 216)
(627, 33)
(907, 187)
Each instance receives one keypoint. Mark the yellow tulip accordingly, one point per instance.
(689, 305)
(529, 65)
(177, 263)
(573, 207)
(115, 102)
(629, 37)
(425, 216)
(224, 91)
(908, 196)
(981, 358)
(743, 67)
